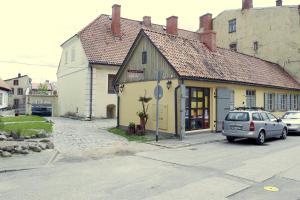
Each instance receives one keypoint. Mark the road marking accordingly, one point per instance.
(271, 188)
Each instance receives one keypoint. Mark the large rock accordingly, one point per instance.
(8, 148)
(50, 145)
(25, 146)
(3, 137)
(42, 134)
(42, 146)
(45, 140)
(6, 154)
(18, 149)
(35, 148)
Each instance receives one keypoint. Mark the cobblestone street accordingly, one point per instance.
(71, 136)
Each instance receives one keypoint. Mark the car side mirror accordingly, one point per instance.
(279, 120)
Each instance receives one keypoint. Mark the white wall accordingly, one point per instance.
(101, 97)
(4, 99)
(73, 80)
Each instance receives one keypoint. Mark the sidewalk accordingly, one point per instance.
(25, 162)
(189, 140)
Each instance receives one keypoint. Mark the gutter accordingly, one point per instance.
(91, 92)
(176, 111)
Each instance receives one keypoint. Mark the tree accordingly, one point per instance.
(42, 89)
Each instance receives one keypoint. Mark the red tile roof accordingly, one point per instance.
(4, 85)
(101, 46)
(192, 59)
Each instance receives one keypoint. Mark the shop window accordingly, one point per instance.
(250, 98)
(232, 26)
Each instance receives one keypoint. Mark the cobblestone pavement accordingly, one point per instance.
(73, 136)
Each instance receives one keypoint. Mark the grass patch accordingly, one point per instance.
(22, 118)
(124, 134)
(27, 129)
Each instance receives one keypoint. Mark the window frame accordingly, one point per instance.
(232, 25)
(251, 97)
(144, 57)
(20, 91)
(16, 82)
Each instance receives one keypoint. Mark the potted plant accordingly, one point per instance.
(143, 115)
(131, 128)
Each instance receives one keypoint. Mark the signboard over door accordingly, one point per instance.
(136, 75)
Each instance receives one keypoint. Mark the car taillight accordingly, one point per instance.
(251, 127)
(222, 125)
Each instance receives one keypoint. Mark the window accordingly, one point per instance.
(1, 99)
(16, 82)
(233, 46)
(16, 103)
(144, 57)
(256, 117)
(269, 102)
(271, 117)
(294, 102)
(111, 78)
(282, 102)
(73, 55)
(20, 91)
(255, 46)
(237, 116)
(66, 57)
(12, 91)
(250, 98)
(264, 116)
(232, 25)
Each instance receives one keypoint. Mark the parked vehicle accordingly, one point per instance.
(255, 124)
(292, 120)
(41, 111)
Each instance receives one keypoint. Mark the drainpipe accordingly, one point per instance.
(176, 111)
(118, 104)
(91, 91)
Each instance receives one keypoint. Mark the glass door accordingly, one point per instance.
(197, 108)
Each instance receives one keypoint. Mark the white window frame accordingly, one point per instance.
(232, 26)
(282, 104)
(270, 101)
(294, 102)
(251, 98)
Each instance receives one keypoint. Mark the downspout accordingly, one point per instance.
(118, 104)
(91, 91)
(176, 111)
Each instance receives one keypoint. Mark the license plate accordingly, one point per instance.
(236, 128)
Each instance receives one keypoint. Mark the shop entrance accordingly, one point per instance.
(197, 110)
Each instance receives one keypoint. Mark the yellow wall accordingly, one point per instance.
(129, 104)
(239, 95)
(276, 29)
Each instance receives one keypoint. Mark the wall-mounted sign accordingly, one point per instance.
(135, 74)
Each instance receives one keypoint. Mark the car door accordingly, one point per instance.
(277, 127)
(267, 124)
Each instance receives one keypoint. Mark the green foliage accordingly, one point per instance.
(144, 101)
(132, 125)
(124, 134)
(22, 118)
(42, 89)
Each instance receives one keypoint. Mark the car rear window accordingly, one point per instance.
(237, 116)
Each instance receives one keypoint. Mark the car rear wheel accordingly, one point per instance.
(283, 134)
(261, 138)
(230, 139)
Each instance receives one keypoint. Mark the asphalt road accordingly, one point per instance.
(217, 170)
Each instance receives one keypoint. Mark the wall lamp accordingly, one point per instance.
(169, 84)
(121, 87)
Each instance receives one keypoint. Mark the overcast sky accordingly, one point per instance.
(32, 30)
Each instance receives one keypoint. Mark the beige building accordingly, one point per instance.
(271, 33)
(17, 98)
(91, 58)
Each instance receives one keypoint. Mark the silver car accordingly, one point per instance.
(255, 124)
(292, 120)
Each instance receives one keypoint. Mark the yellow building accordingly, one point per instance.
(271, 33)
(200, 82)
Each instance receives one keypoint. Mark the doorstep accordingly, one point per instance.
(190, 140)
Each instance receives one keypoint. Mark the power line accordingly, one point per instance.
(24, 63)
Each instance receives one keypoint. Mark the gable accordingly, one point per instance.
(134, 70)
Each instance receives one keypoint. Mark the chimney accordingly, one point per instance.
(19, 75)
(247, 4)
(207, 35)
(279, 3)
(147, 21)
(116, 20)
(205, 22)
(172, 23)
